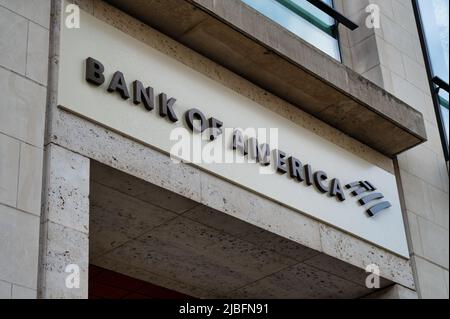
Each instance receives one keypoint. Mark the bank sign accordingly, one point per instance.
(111, 78)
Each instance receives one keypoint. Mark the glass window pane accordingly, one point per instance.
(443, 99)
(445, 115)
(435, 25)
(435, 15)
(315, 11)
(298, 25)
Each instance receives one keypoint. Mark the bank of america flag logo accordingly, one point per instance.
(367, 192)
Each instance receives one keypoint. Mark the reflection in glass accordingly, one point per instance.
(435, 24)
(434, 15)
(303, 19)
(443, 100)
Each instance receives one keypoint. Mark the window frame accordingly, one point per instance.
(436, 84)
(331, 30)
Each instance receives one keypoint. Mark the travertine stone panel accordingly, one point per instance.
(22, 107)
(19, 292)
(37, 53)
(9, 169)
(126, 155)
(414, 233)
(19, 245)
(222, 222)
(390, 57)
(432, 280)
(181, 263)
(440, 206)
(315, 284)
(281, 245)
(431, 172)
(139, 189)
(341, 269)
(368, 49)
(349, 249)
(63, 246)
(434, 242)
(417, 199)
(116, 218)
(5, 290)
(13, 41)
(30, 179)
(64, 237)
(34, 10)
(259, 211)
(67, 176)
(446, 280)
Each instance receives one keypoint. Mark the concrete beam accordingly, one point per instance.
(241, 39)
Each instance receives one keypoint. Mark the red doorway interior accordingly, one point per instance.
(107, 284)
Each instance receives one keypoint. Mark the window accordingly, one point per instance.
(303, 19)
(433, 22)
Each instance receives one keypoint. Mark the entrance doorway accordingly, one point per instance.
(148, 242)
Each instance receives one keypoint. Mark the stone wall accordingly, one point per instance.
(24, 43)
(391, 57)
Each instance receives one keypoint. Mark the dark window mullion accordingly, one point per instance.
(443, 102)
(311, 18)
(337, 16)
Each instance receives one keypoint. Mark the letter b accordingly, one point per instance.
(94, 72)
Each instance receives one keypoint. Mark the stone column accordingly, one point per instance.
(65, 225)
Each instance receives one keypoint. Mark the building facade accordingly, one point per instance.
(323, 174)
